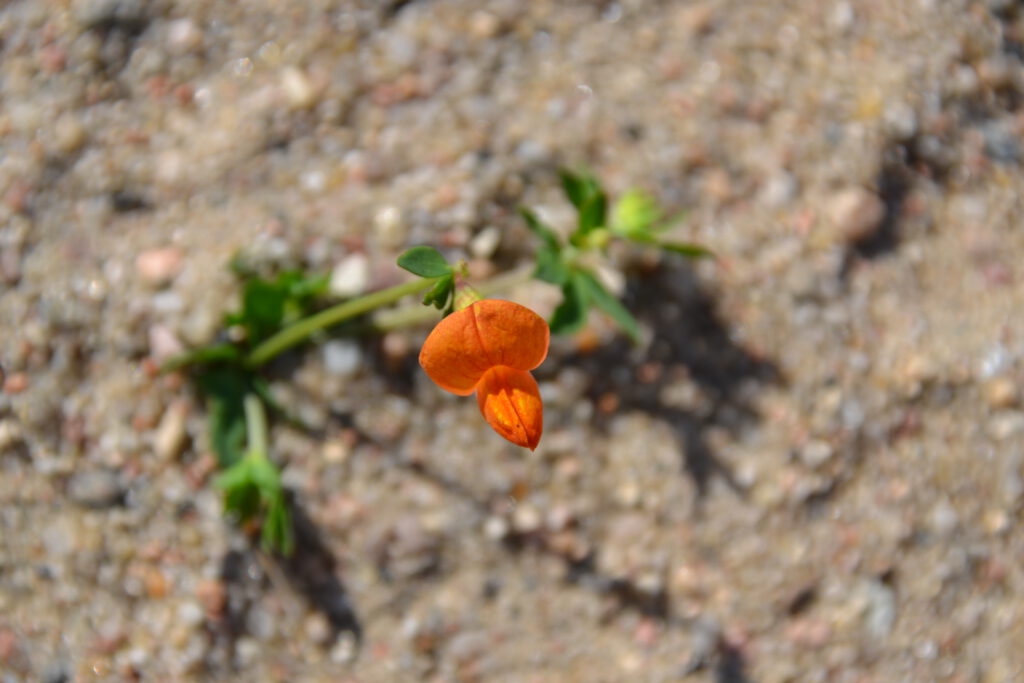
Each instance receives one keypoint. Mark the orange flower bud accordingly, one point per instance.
(490, 348)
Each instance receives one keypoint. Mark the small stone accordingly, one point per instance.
(10, 435)
(163, 343)
(855, 213)
(900, 120)
(996, 521)
(171, 434)
(15, 383)
(943, 519)
(95, 488)
(880, 614)
(212, 594)
(342, 357)
(390, 227)
(1001, 392)
(1005, 423)
(157, 267)
(809, 632)
(190, 613)
(816, 453)
(526, 519)
(317, 628)
(183, 36)
(496, 528)
(485, 243)
(298, 89)
(68, 134)
(350, 277)
(483, 25)
(778, 189)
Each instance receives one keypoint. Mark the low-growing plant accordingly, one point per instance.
(481, 345)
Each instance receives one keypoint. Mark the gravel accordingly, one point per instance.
(810, 470)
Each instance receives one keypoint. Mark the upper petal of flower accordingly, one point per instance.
(510, 333)
(466, 344)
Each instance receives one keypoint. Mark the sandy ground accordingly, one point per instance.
(812, 469)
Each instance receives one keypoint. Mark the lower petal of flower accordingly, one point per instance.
(510, 402)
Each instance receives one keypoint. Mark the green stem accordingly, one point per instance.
(255, 426)
(385, 321)
(301, 330)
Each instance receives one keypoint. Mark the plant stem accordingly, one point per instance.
(255, 426)
(301, 330)
(385, 321)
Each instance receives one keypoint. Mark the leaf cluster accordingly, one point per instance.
(250, 480)
(635, 217)
(427, 262)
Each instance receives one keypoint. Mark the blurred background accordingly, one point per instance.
(811, 469)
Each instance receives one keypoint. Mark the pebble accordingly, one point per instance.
(485, 243)
(881, 609)
(317, 628)
(526, 519)
(855, 213)
(900, 120)
(298, 89)
(816, 453)
(342, 357)
(1005, 423)
(1001, 392)
(171, 434)
(95, 488)
(157, 267)
(350, 277)
(69, 135)
(163, 343)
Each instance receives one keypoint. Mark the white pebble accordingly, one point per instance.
(350, 277)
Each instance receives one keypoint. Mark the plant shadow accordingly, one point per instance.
(311, 571)
(691, 341)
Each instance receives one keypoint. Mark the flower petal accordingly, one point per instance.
(511, 334)
(463, 346)
(510, 402)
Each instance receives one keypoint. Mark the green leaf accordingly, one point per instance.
(440, 294)
(687, 249)
(277, 534)
(425, 262)
(592, 214)
(225, 389)
(263, 306)
(549, 237)
(550, 266)
(604, 300)
(635, 213)
(578, 187)
(571, 314)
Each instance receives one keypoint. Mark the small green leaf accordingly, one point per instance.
(538, 227)
(225, 389)
(578, 187)
(635, 213)
(425, 262)
(571, 314)
(550, 267)
(600, 297)
(592, 214)
(263, 306)
(277, 534)
(687, 249)
(440, 293)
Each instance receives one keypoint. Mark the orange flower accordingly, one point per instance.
(490, 347)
